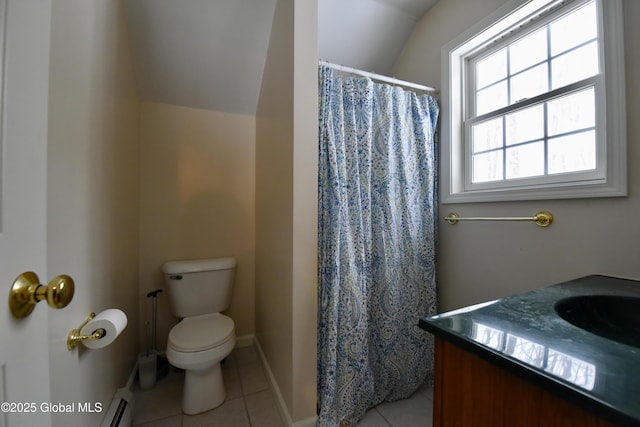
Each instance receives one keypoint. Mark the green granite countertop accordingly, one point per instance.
(525, 335)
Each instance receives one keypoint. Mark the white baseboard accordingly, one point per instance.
(280, 403)
(125, 393)
(132, 377)
(309, 422)
(245, 341)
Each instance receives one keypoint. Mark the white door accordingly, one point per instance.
(24, 361)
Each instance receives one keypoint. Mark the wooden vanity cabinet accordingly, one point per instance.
(470, 391)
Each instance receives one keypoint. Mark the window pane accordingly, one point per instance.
(525, 160)
(572, 112)
(487, 166)
(525, 125)
(529, 83)
(487, 135)
(572, 153)
(575, 65)
(491, 69)
(576, 147)
(528, 51)
(491, 98)
(575, 28)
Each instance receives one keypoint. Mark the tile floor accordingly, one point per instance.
(416, 411)
(250, 402)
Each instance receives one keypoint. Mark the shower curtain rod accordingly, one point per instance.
(379, 77)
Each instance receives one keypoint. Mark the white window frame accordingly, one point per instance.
(608, 180)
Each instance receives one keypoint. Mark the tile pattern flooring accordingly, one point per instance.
(416, 411)
(250, 402)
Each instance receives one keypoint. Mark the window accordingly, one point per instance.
(533, 104)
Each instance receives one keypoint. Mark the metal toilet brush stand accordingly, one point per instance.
(162, 366)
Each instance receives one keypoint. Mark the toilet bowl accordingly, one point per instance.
(198, 291)
(198, 345)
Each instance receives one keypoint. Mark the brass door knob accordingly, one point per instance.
(27, 291)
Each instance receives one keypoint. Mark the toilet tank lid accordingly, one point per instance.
(194, 265)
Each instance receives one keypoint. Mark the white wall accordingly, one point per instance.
(197, 172)
(274, 203)
(286, 207)
(482, 261)
(305, 209)
(92, 206)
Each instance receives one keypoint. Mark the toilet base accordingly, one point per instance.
(203, 390)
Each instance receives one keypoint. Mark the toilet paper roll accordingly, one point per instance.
(113, 321)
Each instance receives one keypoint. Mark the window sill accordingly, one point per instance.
(547, 192)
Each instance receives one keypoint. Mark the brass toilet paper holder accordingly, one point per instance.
(74, 337)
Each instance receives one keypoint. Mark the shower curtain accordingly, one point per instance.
(377, 232)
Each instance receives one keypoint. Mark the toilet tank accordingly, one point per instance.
(200, 286)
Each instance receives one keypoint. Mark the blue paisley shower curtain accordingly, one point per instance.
(377, 232)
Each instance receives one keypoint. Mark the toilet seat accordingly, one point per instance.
(200, 333)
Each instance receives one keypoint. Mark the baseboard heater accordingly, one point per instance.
(120, 412)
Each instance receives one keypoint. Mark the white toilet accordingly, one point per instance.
(198, 291)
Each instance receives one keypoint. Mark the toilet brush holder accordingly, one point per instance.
(147, 363)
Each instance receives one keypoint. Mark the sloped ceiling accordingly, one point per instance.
(367, 34)
(210, 54)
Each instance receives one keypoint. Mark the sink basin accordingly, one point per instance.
(613, 317)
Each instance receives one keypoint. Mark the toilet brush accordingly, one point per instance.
(147, 333)
(147, 363)
(162, 367)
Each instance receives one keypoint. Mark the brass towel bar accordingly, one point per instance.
(541, 219)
